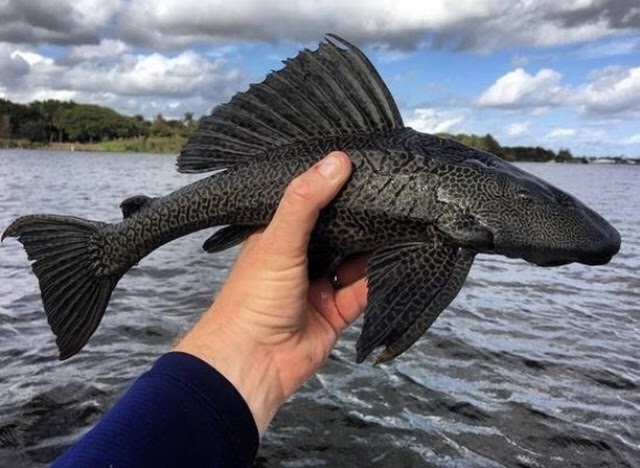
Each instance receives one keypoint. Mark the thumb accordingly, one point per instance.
(290, 229)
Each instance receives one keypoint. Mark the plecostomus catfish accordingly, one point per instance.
(425, 206)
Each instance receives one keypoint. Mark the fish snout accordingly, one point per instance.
(603, 246)
(596, 240)
(588, 239)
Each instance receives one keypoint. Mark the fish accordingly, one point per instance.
(422, 206)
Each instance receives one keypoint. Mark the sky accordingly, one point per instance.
(556, 74)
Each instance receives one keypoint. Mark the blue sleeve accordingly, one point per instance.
(182, 412)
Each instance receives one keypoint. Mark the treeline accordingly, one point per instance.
(514, 153)
(54, 121)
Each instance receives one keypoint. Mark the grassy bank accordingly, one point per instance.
(11, 143)
(154, 144)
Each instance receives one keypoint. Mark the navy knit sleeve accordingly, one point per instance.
(180, 413)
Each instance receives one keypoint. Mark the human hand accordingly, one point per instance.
(269, 329)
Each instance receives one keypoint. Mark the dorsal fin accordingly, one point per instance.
(332, 91)
(133, 204)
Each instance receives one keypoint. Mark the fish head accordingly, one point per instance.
(507, 211)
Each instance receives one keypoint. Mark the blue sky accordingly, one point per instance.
(541, 72)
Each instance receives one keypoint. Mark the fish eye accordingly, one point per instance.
(524, 195)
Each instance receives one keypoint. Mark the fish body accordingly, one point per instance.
(424, 205)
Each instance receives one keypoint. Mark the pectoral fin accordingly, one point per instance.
(398, 343)
(409, 285)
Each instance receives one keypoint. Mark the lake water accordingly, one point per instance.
(529, 366)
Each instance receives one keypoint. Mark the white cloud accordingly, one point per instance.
(478, 25)
(59, 94)
(178, 22)
(519, 89)
(114, 78)
(57, 22)
(101, 63)
(106, 50)
(13, 68)
(611, 90)
(431, 121)
(31, 58)
(632, 140)
(517, 128)
(560, 133)
(142, 75)
(609, 48)
(35, 79)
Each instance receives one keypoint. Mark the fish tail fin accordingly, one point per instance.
(63, 250)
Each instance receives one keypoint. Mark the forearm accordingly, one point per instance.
(180, 413)
(246, 364)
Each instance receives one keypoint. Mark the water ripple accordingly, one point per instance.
(528, 367)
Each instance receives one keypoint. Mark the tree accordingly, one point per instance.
(527, 153)
(492, 146)
(22, 120)
(89, 123)
(5, 126)
(159, 126)
(50, 114)
(33, 130)
(140, 127)
(564, 155)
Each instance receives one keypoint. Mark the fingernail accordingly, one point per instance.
(330, 166)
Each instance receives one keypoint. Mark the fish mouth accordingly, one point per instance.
(602, 256)
(603, 249)
(597, 253)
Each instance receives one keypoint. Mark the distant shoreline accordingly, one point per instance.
(152, 144)
(72, 126)
(173, 145)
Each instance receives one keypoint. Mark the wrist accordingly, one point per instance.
(249, 367)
